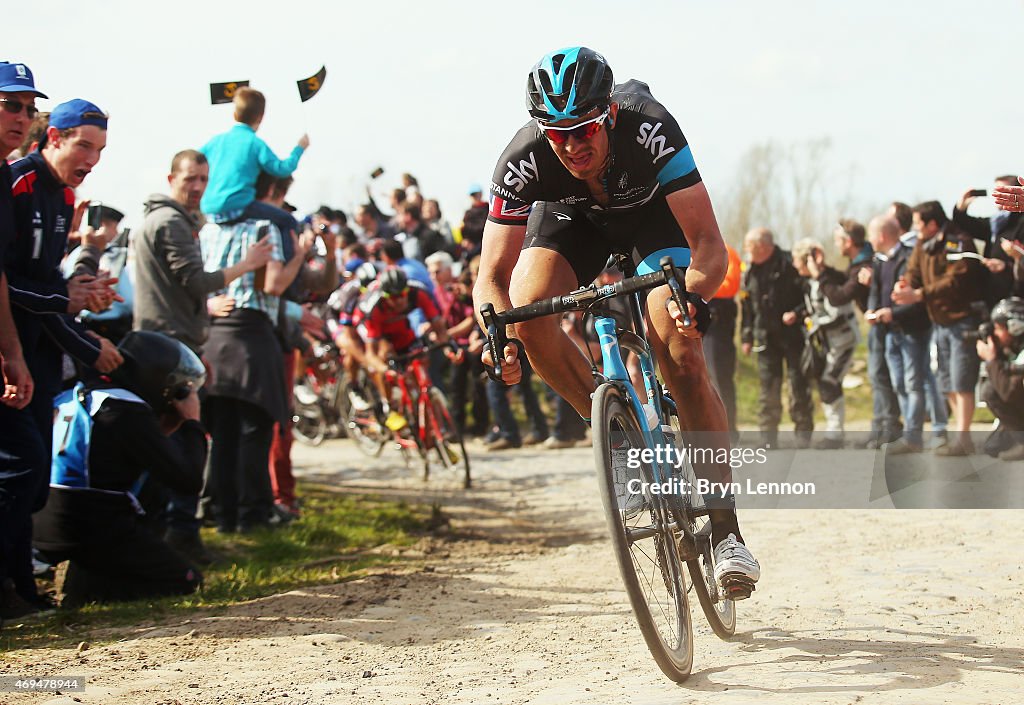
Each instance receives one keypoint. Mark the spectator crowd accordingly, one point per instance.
(149, 374)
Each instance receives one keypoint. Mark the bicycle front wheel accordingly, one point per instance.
(357, 409)
(642, 536)
(447, 439)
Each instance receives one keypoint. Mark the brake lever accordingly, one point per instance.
(677, 289)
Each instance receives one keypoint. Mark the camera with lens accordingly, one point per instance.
(984, 332)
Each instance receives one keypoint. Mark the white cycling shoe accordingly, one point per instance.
(734, 562)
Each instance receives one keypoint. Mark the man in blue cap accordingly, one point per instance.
(43, 305)
(17, 100)
(17, 109)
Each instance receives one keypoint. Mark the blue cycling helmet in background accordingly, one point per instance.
(568, 83)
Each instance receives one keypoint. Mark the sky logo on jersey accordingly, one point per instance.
(527, 172)
(653, 142)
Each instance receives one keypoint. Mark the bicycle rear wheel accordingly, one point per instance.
(642, 536)
(447, 439)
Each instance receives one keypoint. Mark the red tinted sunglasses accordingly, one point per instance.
(582, 131)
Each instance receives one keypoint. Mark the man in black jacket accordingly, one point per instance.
(419, 241)
(851, 241)
(773, 307)
(905, 332)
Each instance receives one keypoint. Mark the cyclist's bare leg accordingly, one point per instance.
(355, 351)
(378, 353)
(541, 274)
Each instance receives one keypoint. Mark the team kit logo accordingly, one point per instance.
(517, 177)
(656, 144)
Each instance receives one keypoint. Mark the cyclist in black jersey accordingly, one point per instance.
(605, 168)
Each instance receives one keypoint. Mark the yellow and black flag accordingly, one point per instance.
(308, 87)
(225, 92)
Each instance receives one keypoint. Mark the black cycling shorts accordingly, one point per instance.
(587, 238)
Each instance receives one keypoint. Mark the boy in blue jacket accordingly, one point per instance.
(238, 156)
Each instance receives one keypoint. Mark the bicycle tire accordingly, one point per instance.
(643, 540)
(719, 611)
(360, 425)
(308, 424)
(414, 418)
(447, 438)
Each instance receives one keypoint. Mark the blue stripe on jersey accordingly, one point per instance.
(680, 258)
(679, 165)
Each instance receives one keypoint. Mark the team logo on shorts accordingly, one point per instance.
(562, 216)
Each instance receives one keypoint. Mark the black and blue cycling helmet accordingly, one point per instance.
(568, 83)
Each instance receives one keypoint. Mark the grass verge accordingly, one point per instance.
(329, 544)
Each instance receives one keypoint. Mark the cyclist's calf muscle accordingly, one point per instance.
(682, 365)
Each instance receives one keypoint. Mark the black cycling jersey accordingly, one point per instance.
(650, 159)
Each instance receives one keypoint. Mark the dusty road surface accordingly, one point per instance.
(523, 604)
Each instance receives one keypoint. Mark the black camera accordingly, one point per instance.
(984, 332)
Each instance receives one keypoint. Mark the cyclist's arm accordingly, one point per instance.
(439, 329)
(378, 352)
(463, 328)
(498, 256)
(709, 260)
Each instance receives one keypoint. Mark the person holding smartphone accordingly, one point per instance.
(992, 231)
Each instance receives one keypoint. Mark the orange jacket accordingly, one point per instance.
(731, 284)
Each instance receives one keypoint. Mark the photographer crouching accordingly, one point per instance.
(110, 438)
(1001, 347)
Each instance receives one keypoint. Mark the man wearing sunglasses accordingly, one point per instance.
(20, 447)
(600, 169)
(17, 109)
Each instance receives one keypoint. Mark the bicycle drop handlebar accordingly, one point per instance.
(422, 351)
(577, 300)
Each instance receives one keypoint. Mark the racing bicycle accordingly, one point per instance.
(653, 534)
(430, 430)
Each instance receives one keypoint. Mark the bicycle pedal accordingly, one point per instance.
(737, 587)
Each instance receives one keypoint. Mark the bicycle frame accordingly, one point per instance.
(415, 372)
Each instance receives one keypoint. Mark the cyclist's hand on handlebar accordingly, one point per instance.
(687, 331)
(456, 354)
(511, 369)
